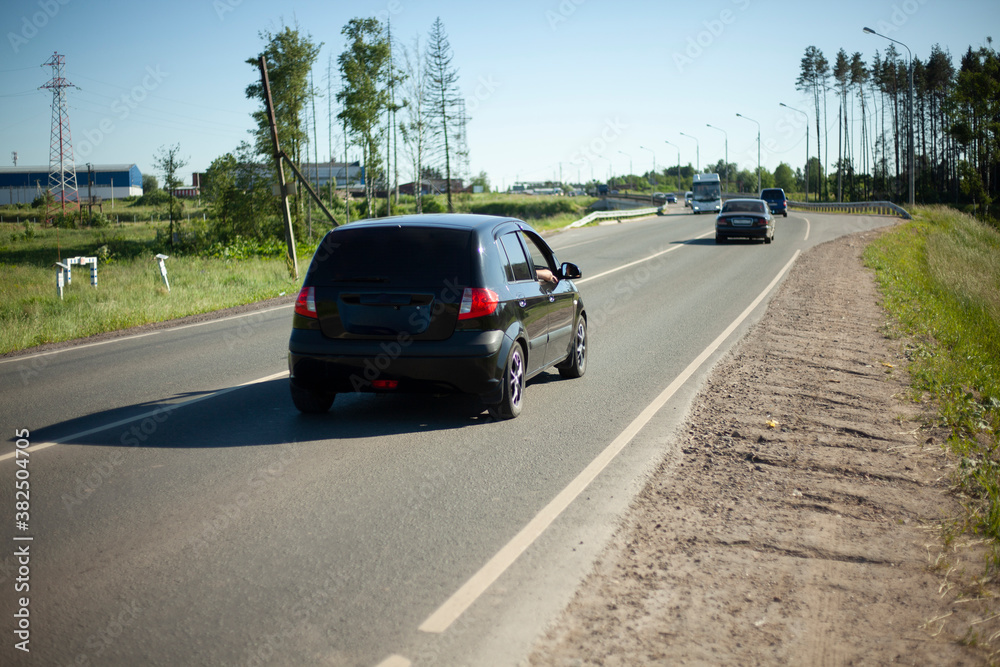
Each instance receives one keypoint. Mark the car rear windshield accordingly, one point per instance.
(772, 194)
(393, 256)
(743, 207)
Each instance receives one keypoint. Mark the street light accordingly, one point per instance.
(609, 170)
(807, 150)
(909, 114)
(697, 152)
(758, 148)
(678, 163)
(629, 168)
(654, 169)
(727, 151)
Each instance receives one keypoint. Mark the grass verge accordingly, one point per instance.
(130, 289)
(940, 278)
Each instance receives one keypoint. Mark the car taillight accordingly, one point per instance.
(305, 303)
(477, 302)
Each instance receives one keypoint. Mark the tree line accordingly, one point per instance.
(956, 126)
(379, 98)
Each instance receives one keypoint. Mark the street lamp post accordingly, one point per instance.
(807, 150)
(653, 186)
(629, 168)
(758, 148)
(727, 151)
(909, 148)
(678, 163)
(609, 171)
(697, 151)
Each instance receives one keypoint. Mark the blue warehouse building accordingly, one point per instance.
(21, 185)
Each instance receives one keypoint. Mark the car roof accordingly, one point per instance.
(750, 199)
(470, 221)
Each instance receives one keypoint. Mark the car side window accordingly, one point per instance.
(540, 259)
(517, 262)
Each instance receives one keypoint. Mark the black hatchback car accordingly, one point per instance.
(469, 304)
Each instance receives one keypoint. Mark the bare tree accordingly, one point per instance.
(416, 119)
(443, 98)
(168, 162)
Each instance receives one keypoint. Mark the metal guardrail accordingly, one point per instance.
(860, 208)
(615, 215)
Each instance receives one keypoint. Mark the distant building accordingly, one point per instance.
(21, 185)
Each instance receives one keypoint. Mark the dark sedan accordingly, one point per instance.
(468, 304)
(744, 218)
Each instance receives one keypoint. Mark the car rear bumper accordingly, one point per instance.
(469, 362)
(742, 232)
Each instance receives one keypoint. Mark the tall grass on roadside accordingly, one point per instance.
(205, 274)
(128, 294)
(940, 276)
(130, 289)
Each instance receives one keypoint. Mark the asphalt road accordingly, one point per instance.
(182, 512)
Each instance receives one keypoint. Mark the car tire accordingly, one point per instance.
(767, 239)
(785, 213)
(512, 397)
(720, 239)
(576, 364)
(310, 402)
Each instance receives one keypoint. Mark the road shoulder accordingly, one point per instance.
(796, 517)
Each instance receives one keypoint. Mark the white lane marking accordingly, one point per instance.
(143, 335)
(640, 261)
(394, 661)
(807, 228)
(166, 407)
(470, 591)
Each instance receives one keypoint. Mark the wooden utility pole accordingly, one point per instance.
(293, 264)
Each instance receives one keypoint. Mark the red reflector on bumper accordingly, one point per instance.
(385, 384)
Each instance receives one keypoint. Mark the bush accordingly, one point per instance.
(64, 221)
(533, 210)
(431, 205)
(152, 198)
(99, 220)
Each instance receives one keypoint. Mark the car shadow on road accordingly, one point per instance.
(263, 414)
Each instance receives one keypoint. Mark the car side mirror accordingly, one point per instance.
(569, 270)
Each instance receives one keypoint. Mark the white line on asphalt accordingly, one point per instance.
(143, 335)
(640, 261)
(394, 661)
(807, 228)
(470, 591)
(166, 407)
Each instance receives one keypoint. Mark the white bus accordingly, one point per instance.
(707, 194)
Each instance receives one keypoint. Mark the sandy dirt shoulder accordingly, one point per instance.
(796, 518)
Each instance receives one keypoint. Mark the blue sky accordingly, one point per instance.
(577, 87)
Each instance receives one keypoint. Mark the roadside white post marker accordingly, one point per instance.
(82, 261)
(163, 269)
(61, 270)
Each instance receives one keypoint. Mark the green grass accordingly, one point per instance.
(940, 277)
(130, 290)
